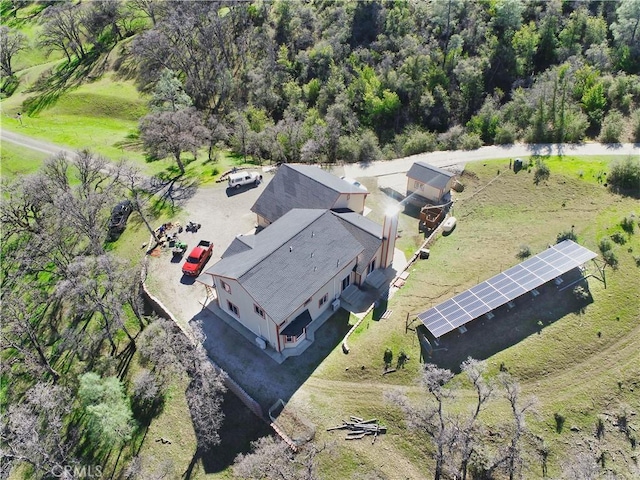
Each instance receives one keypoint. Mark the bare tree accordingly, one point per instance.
(470, 435)
(21, 206)
(96, 287)
(155, 10)
(11, 42)
(171, 133)
(168, 352)
(63, 30)
(272, 459)
(218, 132)
(137, 188)
(25, 314)
(209, 49)
(240, 133)
(34, 430)
(431, 418)
(513, 459)
(204, 397)
(292, 136)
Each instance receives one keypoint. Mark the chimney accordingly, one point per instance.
(389, 234)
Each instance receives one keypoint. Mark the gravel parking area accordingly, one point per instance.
(223, 214)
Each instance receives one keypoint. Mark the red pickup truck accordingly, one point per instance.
(197, 258)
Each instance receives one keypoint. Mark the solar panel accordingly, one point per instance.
(504, 287)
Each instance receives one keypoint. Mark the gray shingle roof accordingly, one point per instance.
(430, 175)
(291, 260)
(241, 243)
(367, 232)
(301, 186)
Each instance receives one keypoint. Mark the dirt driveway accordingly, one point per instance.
(223, 214)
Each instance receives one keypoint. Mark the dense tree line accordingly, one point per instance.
(324, 81)
(354, 81)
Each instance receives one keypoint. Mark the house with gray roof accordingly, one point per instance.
(427, 184)
(306, 186)
(276, 283)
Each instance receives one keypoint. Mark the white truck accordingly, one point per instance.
(237, 179)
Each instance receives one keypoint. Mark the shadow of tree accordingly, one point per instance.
(54, 82)
(236, 434)
(171, 191)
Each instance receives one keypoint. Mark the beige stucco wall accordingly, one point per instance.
(427, 191)
(262, 327)
(377, 257)
(352, 201)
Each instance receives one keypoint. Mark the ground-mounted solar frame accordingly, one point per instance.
(505, 287)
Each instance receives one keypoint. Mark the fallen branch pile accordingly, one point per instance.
(359, 428)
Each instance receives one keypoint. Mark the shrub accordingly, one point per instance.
(524, 252)
(618, 238)
(636, 125)
(628, 225)
(610, 259)
(506, 133)
(402, 359)
(369, 147)
(575, 128)
(470, 141)
(9, 86)
(580, 293)
(388, 357)
(605, 245)
(625, 176)
(599, 427)
(566, 235)
(636, 258)
(348, 149)
(417, 141)
(612, 127)
(541, 172)
(450, 139)
(559, 418)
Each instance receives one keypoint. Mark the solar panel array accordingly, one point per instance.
(504, 287)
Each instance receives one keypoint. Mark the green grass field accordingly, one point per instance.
(580, 363)
(18, 161)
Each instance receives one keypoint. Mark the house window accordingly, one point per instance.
(290, 338)
(372, 266)
(346, 281)
(323, 300)
(233, 308)
(226, 287)
(258, 310)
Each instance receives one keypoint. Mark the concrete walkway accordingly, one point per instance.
(449, 158)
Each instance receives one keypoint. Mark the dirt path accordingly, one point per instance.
(31, 143)
(460, 157)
